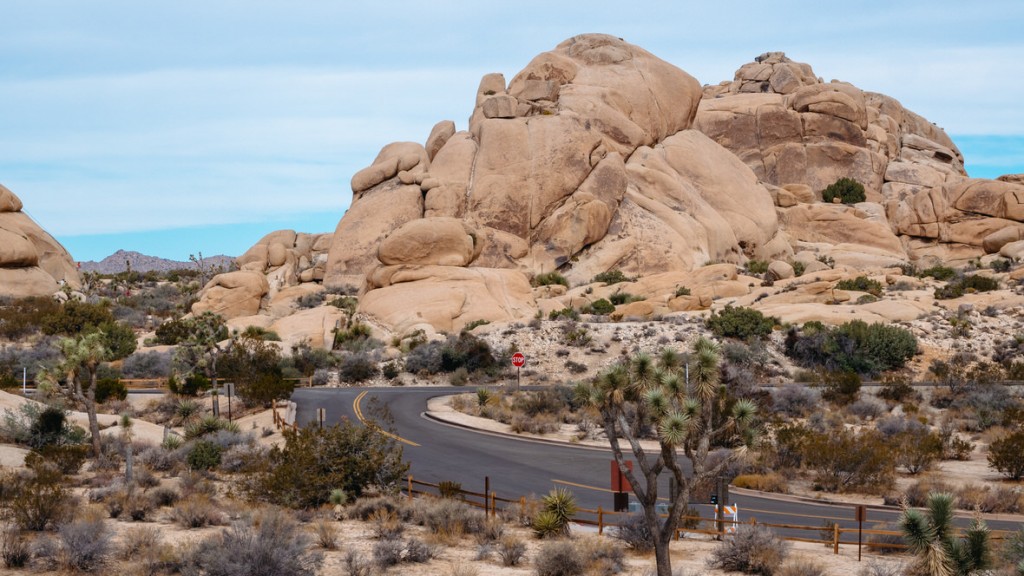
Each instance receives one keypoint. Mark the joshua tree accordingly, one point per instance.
(930, 536)
(83, 355)
(643, 394)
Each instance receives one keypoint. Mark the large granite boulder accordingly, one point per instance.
(32, 262)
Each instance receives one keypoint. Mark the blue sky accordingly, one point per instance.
(178, 127)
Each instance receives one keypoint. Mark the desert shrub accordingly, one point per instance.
(939, 272)
(845, 461)
(271, 544)
(885, 538)
(424, 358)
(418, 551)
(841, 388)
(682, 291)
(559, 559)
(242, 457)
(357, 367)
(861, 284)
(36, 499)
(917, 449)
(1006, 455)
(386, 525)
(140, 540)
(634, 532)
(743, 323)
(897, 389)
(466, 351)
(550, 278)
(448, 518)
(796, 400)
(610, 277)
(326, 534)
(854, 346)
(511, 550)
(164, 496)
(204, 455)
(802, 567)
(1013, 550)
(254, 365)
(600, 306)
(196, 511)
(316, 461)
(310, 300)
(208, 425)
(966, 285)
(35, 426)
(603, 557)
(751, 550)
(24, 316)
(147, 365)
(110, 389)
(355, 332)
(867, 408)
(387, 553)
(757, 266)
(85, 545)
(770, 482)
(565, 313)
(848, 190)
(14, 548)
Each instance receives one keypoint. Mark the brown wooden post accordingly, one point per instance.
(487, 490)
(600, 521)
(410, 487)
(835, 538)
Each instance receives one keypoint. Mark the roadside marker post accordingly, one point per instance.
(862, 515)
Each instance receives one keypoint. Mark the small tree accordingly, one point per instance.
(83, 355)
(1007, 455)
(641, 394)
(930, 536)
(848, 190)
(254, 365)
(200, 348)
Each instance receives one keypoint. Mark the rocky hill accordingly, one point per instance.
(599, 156)
(32, 263)
(123, 260)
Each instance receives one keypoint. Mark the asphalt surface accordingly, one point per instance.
(522, 467)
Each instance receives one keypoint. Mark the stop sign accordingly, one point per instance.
(518, 360)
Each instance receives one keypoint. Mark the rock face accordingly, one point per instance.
(598, 156)
(32, 263)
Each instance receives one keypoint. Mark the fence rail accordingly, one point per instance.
(827, 535)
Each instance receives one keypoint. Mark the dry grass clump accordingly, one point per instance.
(752, 550)
(770, 482)
(197, 511)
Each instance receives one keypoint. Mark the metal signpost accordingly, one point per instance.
(229, 388)
(518, 360)
(862, 515)
(620, 487)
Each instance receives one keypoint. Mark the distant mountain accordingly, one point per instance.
(120, 261)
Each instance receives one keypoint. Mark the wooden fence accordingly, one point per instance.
(827, 535)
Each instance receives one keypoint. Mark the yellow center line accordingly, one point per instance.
(359, 414)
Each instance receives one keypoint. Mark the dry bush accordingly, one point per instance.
(559, 558)
(878, 568)
(511, 550)
(448, 519)
(490, 531)
(990, 499)
(37, 499)
(356, 565)
(635, 533)
(917, 493)
(751, 550)
(139, 540)
(770, 482)
(14, 548)
(802, 567)
(463, 570)
(387, 553)
(197, 511)
(164, 496)
(364, 508)
(889, 543)
(522, 513)
(85, 545)
(272, 543)
(326, 534)
(603, 557)
(386, 525)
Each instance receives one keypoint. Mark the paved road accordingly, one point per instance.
(518, 467)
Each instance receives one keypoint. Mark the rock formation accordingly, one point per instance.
(598, 155)
(32, 263)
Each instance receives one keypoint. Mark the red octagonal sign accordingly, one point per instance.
(518, 360)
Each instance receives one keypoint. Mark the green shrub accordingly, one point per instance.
(192, 385)
(841, 388)
(600, 306)
(474, 324)
(939, 272)
(844, 461)
(110, 389)
(966, 285)
(205, 455)
(567, 313)
(743, 323)
(356, 332)
(347, 303)
(848, 190)
(68, 458)
(612, 277)
(357, 367)
(314, 462)
(208, 425)
(1007, 455)
(799, 268)
(757, 266)
(37, 499)
(861, 284)
(549, 279)
(851, 347)
(559, 508)
(623, 298)
(682, 291)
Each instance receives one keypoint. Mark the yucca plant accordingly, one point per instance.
(930, 537)
(559, 508)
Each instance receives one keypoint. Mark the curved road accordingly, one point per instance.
(519, 466)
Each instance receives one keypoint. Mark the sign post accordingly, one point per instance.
(229, 389)
(518, 360)
(620, 487)
(862, 515)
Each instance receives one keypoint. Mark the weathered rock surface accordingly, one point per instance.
(598, 156)
(233, 294)
(32, 263)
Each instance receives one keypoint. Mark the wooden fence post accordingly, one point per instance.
(410, 487)
(494, 505)
(835, 538)
(600, 521)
